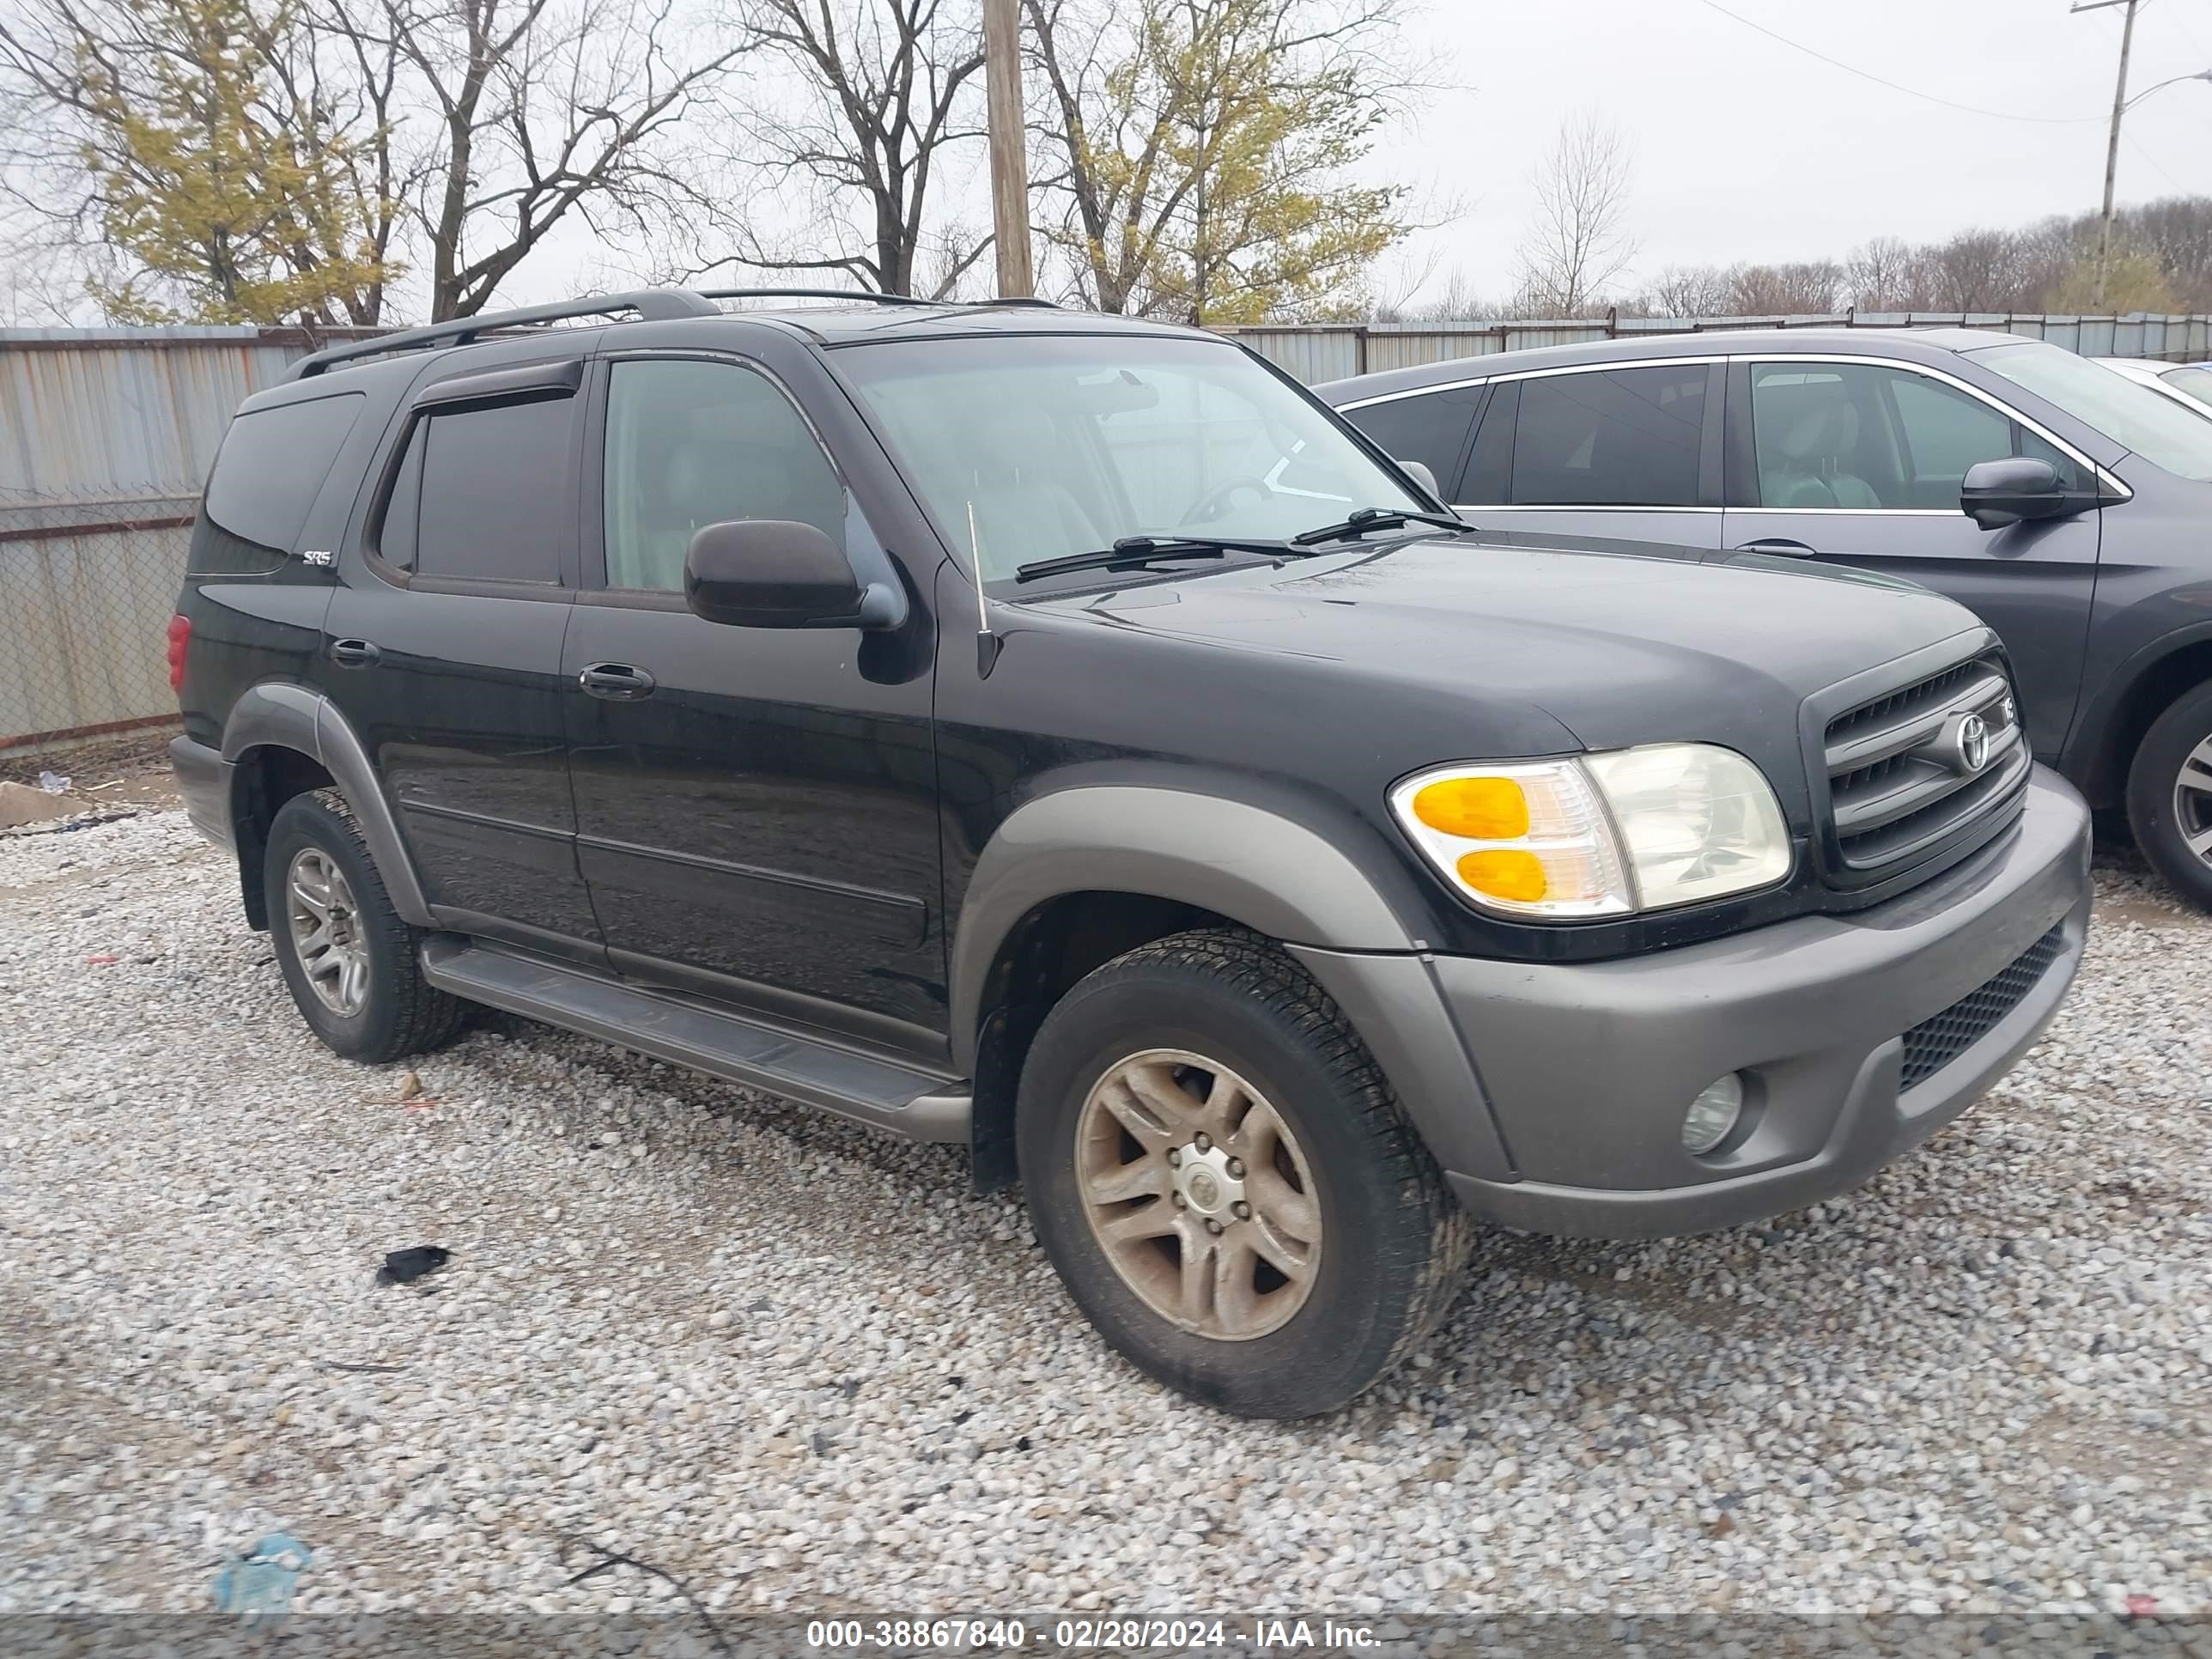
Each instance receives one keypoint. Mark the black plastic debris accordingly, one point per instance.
(405, 1266)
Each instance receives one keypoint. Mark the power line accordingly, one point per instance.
(1911, 91)
(2138, 146)
(2183, 22)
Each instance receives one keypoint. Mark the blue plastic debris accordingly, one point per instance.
(260, 1582)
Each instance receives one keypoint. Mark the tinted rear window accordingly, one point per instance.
(484, 493)
(1625, 437)
(1490, 463)
(272, 464)
(1431, 429)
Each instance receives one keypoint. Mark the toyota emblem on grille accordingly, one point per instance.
(1963, 745)
(1974, 742)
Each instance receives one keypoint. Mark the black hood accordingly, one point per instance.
(1618, 649)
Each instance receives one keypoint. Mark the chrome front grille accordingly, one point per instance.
(1910, 768)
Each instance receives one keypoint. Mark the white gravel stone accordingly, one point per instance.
(798, 1365)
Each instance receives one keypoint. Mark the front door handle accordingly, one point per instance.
(1787, 549)
(354, 653)
(617, 681)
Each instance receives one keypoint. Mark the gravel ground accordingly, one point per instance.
(798, 1366)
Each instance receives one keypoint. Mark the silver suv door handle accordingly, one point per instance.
(1787, 549)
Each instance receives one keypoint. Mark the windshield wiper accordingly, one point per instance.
(1375, 518)
(1132, 551)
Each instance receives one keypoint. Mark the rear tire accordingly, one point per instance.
(1316, 1244)
(351, 962)
(2170, 795)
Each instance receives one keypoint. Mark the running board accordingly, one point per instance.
(921, 1105)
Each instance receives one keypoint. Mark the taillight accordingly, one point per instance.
(180, 640)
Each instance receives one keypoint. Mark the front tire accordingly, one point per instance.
(2170, 795)
(1218, 1171)
(348, 960)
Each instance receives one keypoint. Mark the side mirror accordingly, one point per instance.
(774, 573)
(1994, 494)
(1421, 476)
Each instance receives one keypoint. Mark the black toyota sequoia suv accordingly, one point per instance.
(1064, 735)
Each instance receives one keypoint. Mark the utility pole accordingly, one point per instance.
(2112, 146)
(1010, 163)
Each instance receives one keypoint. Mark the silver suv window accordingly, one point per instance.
(1872, 437)
(1614, 437)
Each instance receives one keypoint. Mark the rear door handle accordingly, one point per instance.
(354, 653)
(1787, 549)
(617, 681)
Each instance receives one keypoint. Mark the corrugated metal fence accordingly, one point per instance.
(1334, 351)
(106, 435)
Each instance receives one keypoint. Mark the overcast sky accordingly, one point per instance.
(1746, 148)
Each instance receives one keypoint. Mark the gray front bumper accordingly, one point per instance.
(1587, 1069)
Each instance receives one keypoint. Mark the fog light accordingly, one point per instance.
(1713, 1114)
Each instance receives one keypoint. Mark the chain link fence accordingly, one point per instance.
(106, 435)
(87, 589)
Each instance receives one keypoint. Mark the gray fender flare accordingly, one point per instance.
(1354, 933)
(281, 715)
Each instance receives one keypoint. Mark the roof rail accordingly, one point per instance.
(868, 294)
(652, 304)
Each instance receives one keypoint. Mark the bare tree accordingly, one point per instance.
(1201, 150)
(451, 137)
(1458, 301)
(856, 107)
(536, 111)
(1977, 271)
(189, 158)
(1810, 288)
(358, 79)
(2178, 232)
(2046, 254)
(1879, 275)
(1578, 243)
(44, 265)
(1688, 291)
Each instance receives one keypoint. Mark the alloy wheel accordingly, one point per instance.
(1199, 1194)
(2192, 800)
(326, 932)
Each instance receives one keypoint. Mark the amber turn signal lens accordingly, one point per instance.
(1505, 873)
(1478, 809)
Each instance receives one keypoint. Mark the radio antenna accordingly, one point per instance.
(986, 642)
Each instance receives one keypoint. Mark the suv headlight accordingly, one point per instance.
(1601, 834)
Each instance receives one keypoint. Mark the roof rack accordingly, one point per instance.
(867, 294)
(652, 304)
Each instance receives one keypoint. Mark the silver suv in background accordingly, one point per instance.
(2191, 382)
(2065, 503)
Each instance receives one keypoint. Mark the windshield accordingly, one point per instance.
(2196, 382)
(1036, 447)
(2160, 430)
